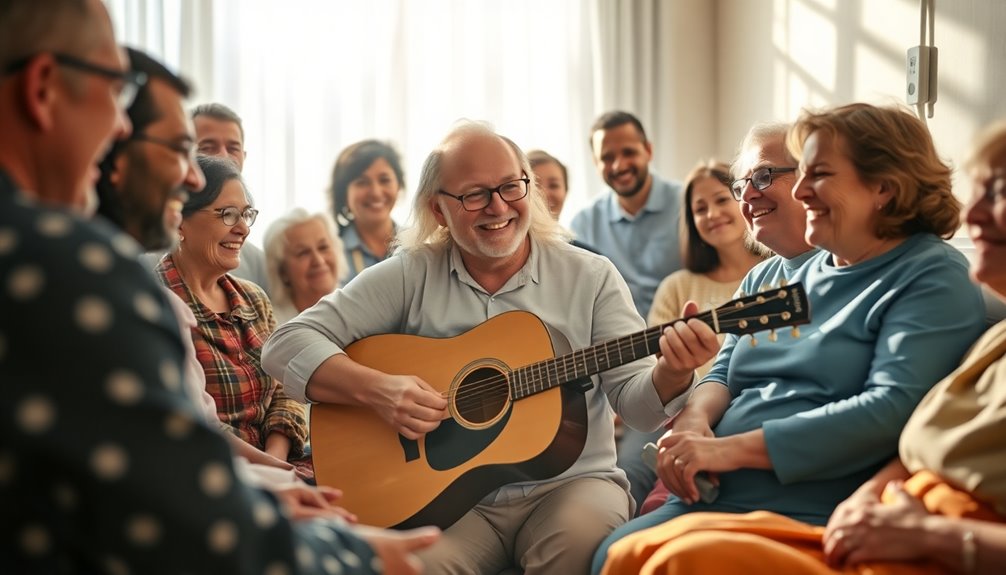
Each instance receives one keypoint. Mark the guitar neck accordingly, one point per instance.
(768, 310)
(545, 375)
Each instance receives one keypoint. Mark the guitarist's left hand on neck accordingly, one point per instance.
(684, 346)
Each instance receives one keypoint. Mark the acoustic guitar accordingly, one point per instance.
(517, 412)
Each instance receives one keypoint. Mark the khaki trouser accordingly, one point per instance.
(554, 529)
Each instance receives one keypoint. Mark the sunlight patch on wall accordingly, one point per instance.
(813, 41)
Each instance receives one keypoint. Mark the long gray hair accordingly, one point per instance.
(424, 230)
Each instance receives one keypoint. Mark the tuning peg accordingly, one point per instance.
(783, 283)
(795, 332)
(772, 336)
(754, 342)
(785, 315)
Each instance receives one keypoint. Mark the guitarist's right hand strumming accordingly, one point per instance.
(408, 404)
(411, 406)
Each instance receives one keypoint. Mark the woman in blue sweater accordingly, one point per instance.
(795, 426)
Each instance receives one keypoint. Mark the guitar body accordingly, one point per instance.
(490, 440)
(517, 412)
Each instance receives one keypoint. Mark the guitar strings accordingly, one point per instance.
(474, 394)
(552, 366)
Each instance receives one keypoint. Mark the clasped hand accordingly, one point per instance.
(863, 528)
(683, 452)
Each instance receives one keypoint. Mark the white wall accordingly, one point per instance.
(775, 57)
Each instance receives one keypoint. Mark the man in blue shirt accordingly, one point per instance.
(636, 227)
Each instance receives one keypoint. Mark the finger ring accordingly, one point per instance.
(839, 534)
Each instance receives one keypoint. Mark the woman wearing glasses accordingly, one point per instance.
(366, 182)
(234, 316)
(794, 426)
(939, 506)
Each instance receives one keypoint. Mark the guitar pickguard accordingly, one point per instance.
(452, 445)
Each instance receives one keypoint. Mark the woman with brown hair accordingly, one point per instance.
(367, 181)
(792, 428)
(716, 251)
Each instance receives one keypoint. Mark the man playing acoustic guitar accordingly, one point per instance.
(483, 244)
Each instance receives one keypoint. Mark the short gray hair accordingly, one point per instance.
(426, 231)
(759, 134)
(220, 112)
(275, 244)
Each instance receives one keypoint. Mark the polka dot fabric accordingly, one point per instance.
(105, 465)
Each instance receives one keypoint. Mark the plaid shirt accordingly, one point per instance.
(229, 347)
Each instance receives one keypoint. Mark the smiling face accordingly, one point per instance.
(220, 138)
(623, 159)
(841, 210)
(309, 261)
(716, 214)
(985, 217)
(493, 235)
(154, 177)
(553, 184)
(212, 247)
(372, 195)
(774, 217)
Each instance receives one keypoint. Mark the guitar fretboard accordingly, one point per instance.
(766, 310)
(550, 373)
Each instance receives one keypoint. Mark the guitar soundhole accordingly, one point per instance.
(482, 395)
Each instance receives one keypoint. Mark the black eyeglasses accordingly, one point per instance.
(131, 80)
(231, 214)
(509, 191)
(182, 148)
(760, 179)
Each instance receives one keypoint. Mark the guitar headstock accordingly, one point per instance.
(771, 309)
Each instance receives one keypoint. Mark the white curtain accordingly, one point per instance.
(311, 76)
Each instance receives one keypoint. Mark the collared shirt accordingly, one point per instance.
(358, 255)
(228, 346)
(253, 266)
(429, 292)
(644, 246)
(105, 464)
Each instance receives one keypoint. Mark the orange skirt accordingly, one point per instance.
(766, 543)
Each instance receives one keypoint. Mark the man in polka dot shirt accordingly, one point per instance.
(105, 466)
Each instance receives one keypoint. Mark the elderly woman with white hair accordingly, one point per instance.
(304, 259)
